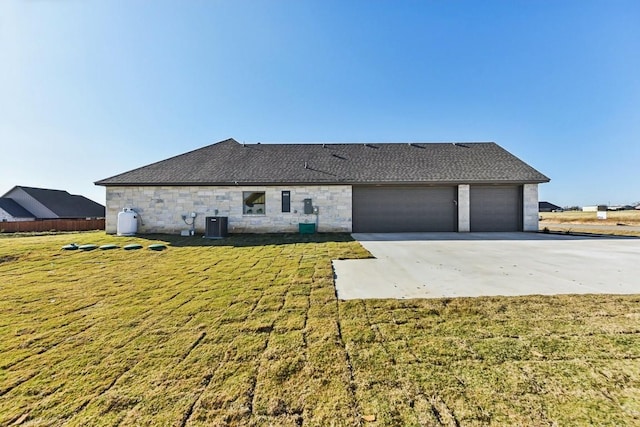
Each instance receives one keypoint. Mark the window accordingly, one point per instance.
(286, 201)
(253, 203)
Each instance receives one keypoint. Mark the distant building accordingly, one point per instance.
(10, 210)
(548, 207)
(29, 203)
(597, 208)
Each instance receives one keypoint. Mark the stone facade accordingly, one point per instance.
(464, 206)
(530, 207)
(160, 208)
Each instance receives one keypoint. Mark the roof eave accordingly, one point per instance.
(345, 182)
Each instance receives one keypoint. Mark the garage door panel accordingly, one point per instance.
(404, 209)
(496, 208)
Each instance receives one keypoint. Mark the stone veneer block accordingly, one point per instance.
(464, 208)
(530, 211)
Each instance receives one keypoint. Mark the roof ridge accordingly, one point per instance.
(38, 188)
(363, 143)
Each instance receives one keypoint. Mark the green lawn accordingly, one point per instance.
(248, 331)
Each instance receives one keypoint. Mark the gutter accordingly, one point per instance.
(354, 183)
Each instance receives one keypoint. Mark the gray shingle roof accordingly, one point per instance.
(547, 205)
(12, 207)
(229, 162)
(66, 205)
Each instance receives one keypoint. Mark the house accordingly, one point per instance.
(619, 208)
(391, 187)
(595, 208)
(548, 207)
(43, 203)
(10, 210)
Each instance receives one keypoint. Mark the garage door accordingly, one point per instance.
(404, 209)
(496, 208)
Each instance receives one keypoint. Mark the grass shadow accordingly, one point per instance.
(247, 240)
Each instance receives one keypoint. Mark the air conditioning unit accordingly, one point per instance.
(216, 227)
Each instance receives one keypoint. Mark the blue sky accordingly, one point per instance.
(89, 89)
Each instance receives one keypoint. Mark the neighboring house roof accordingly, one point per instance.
(11, 207)
(547, 205)
(61, 203)
(229, 162)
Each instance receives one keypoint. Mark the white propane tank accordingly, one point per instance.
(127, 222)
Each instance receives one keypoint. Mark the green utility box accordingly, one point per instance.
(305, 228)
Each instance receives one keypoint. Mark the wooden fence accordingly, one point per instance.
(52, 225)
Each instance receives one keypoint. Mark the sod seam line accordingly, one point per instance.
(357, 412)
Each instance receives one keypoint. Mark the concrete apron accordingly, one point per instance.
(438, 265)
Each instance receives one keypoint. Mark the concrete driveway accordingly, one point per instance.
(437, 265)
